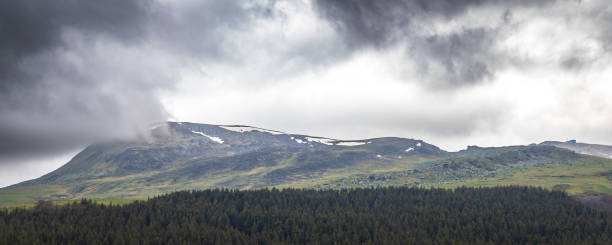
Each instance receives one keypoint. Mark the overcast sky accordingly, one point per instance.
(451, 72)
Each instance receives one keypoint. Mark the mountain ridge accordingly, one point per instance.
(183, 156)
(583, 148)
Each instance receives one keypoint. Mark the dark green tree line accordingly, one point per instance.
(501, 215)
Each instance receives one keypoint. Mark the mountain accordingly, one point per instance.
(583, 148)
(183, 156)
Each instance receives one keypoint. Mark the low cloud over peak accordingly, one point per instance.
(454, 73)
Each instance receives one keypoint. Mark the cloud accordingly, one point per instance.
(31, 27)
(75, 72)
(452, 72)
(357, 99)
(203, 30)
(440, 39)
(58, 87)
(457, 58)
(482, 72)
(594, 19)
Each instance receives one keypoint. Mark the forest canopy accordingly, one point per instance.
(393, 215)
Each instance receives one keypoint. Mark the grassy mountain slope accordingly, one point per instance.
(184, 156)
(545, 166)
(604, 151)
(181, 156)
(584, 176)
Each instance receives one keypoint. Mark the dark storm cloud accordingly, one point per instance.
(203, 29)
(464, 55)
(459, 55)
(49, 100)
(364, 22)
(77, 71)
(602, 16)
(30, 27)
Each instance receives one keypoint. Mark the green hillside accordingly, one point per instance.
(604, 151)
(588, 176)
(187, 156)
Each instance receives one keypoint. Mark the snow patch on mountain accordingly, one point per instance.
(325, 141)
(299, 141)
(213, 138)
(351, 143)
(242, 129)
(418, 144)
(409, 149)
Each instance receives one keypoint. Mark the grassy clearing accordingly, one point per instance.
(30, 194)
(106, 201)
(592, 176)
